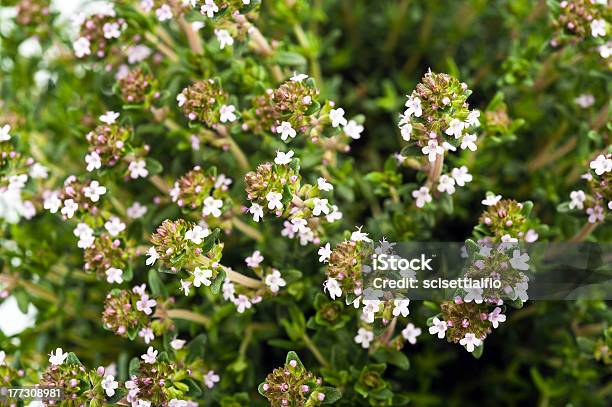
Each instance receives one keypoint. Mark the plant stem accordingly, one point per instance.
(586, 230)
(159, 183)
(389, 332)
(247, 230)
(434, 171)
(163, 48)
(195, 43)
(241, 279)
(188, 316)
(315, 351)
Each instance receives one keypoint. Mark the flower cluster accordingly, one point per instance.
(203, 190)
(276, 189)
(138, 86)
(345, 265)
(129, 313)
(99, 34)
(80, 387)
(505, 219)
(580, 20)
(599, 201)
(203, 101)
(437, 119)
(293, 385)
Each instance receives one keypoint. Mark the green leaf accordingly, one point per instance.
(287, 58)
(156, 284)
(134, 367)
(195, 348)
(153, 166)
(209, 241)
(217, 282)
(293, 356)
(72, 359)
(331, 394)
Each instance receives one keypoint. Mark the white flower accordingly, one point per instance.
(410, 333)
(275, 281)
(496, 317)
(111, 30)
(164, 13)
(337, 117)
(227, 113)
(70, 207)
(491, 199)
(196, 234)
(274, 200)
(596, 214)
(137, 210)
(605, 50)
(298, 77)
(4, 133)
(242, 303)
(81, 47)
(438, 327)
(93, 161)
(178, 403)
(531, 236)
(520, 291)
(58, 358)
(323, 185)
(353, 129)
(414, 107)
(142, 403)
(401, 307)
(406, 131)
(254, 260)
(152, 256)
(223, 182)
(472, 118)
(147, 335)
(202, 277)
(225, 39)
(209, 8)
(359, 236)
(94, 190)
(601, 164)
(455, 128)
(114, 226)
(470, 342)
(151, 356)
(137, 53)
(109, 117)
(446, 184)
(145, 304)
(185, 284)
(138, 169)
(17, 182)
(211, 378)
(468, 141)
(228, 290)
(334, 215)
(598, 28)
(283, 158)
(324, 253)
(473, 294)
(333, 288)
(286, 131)
(212, 206)
(85, 235)
(432, 149)
(257, 211)
(52, 203)
(2, 357)
(181, 99)
(461, 175)
(109, 385)
(577, 199)
(320, 206)
(422, 196)
(585, 100)
(364, 337)
(519, 261)
(114, 275)
(177, 344)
